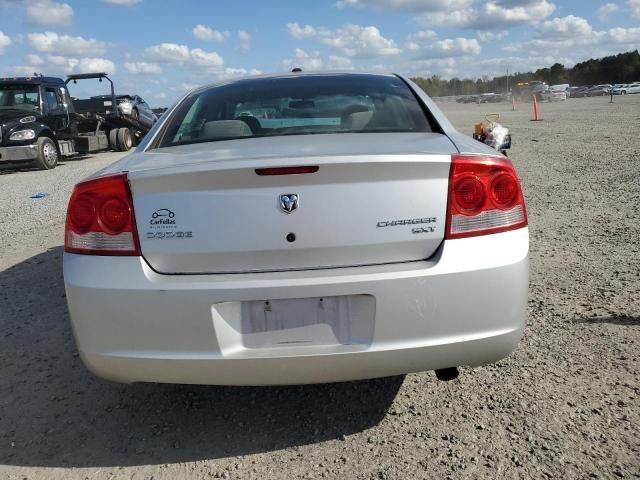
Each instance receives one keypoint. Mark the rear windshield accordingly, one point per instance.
(296, 105)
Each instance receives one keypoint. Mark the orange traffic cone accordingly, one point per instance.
(513, 103)
(535, 108)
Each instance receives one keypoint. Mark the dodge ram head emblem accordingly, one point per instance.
(289, 202)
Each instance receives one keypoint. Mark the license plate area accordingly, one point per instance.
(285, 323)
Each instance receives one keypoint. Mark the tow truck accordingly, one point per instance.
(40, 122)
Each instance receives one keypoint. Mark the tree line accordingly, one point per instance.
(621, 68)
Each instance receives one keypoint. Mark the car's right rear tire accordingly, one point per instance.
(125, 139)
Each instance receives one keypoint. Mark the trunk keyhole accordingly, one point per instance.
(291, 237)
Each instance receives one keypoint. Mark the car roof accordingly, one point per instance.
(246, 80)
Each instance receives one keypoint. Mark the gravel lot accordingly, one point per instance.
(564, 405)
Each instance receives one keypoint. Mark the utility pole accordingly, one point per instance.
(507, 79)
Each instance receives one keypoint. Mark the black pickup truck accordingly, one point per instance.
(40, 122)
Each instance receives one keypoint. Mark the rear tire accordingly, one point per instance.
(113, 140)
(125, 139)
(47, 154)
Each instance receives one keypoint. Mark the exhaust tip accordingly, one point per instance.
(447, 374)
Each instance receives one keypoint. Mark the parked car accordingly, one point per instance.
(552, 94)
(633, 87)
(467, 99)
(561, 87)
(599, 90)
(618, 89)
(470, 99)
(135, 107)
(557, 95)
(491, 98)
(363, 241)
(579, 92)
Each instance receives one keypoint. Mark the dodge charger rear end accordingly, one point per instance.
(298, 228)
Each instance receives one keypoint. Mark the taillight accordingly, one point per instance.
(484, 197)
(100, 219)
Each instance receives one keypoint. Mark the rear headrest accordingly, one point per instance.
(357, 120)
(226, 129)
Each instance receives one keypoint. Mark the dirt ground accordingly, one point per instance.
(564, 405)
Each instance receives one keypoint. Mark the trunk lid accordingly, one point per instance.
(203, 209)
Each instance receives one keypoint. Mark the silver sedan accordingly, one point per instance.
(298, 228)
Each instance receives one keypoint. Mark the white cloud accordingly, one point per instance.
(566, 27)
(68, 65)
(167, 53)
(451, 47)
(5, 41)
(357, 41)
(66, 45)
(626, 36)
(408, 5)
(34, 59)
(18, 71)
(491, 15)
(314, 61)
(47, 12)
(142, 67)
(299, 32)
(487, 36)
(351, 40)
(230, 73)
(181, 54)
(424, 45)
(123, 3)
(634, 6)
(473, 14)
(206, 33)
(607, 9)
(415, 40)
(559, 35)
(245, 40)
(201, 58)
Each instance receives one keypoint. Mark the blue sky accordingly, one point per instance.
(161, 48)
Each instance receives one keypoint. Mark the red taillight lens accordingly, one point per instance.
(484, 197)
(115, 215)
(469, 194)
(504, 190)
(81, 213)
(100, 219)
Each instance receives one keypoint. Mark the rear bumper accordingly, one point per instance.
(18, 153)
(466, 306)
